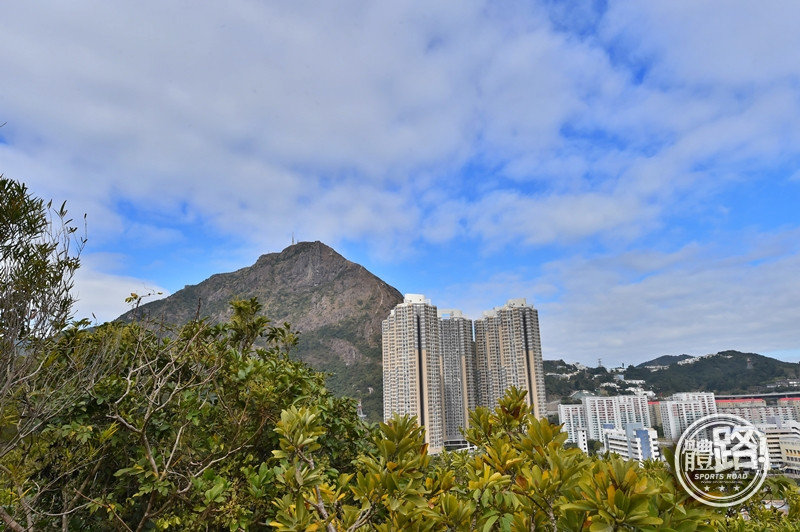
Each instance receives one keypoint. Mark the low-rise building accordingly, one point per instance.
(635, 442)
(778, 432)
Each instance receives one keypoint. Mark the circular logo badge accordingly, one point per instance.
(722, 460)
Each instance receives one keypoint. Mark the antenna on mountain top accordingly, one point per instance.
(293, 242)
(599, 362)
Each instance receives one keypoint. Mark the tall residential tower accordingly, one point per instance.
(412, 372)
(458, 369)
(508, 353)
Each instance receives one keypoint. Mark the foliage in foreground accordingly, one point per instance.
(176, 433)
(519, 477)
(199, 432)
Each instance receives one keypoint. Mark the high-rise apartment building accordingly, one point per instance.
(634, 409)
(706, 400)
(412, 371)
(508, 353)
(433, 369)
(793, 402)
(458, 372)
(573, 417)
(683, 410)
(617, 412)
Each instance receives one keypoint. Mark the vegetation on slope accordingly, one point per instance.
(336, 305)
(726, 373)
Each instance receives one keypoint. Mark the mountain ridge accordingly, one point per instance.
(336, 305)
(725, 372)
(664, 360)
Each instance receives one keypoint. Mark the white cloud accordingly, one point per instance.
(739, 43)
(101, 295)
(505, 217)
(409, 123)
(228, 109)
(474, 298)
(633, 306)
(696, 300)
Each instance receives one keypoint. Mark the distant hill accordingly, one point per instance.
(726, 372)
(665, 360)
(337, 306)
(561, 379)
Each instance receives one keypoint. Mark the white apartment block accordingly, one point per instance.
(616, 411)
(676, 416)
(633, 409)
(573, 418)
(762, 414)
(635, 442)
(706, 400)
(412, 372)
(683, 410)
(794, 403)
(508, 353)
(600, 411)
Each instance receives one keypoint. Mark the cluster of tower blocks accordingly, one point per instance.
(438, 365)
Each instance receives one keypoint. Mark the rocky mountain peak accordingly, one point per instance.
(337, 305)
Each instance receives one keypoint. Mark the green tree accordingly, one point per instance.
(178, 434)
(39, 254)
(518, 477)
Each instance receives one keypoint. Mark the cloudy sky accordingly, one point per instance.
(631, 168)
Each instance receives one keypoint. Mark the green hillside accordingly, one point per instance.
(726, 372)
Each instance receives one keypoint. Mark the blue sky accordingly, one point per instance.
(631, 168)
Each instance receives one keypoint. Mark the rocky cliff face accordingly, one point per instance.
(336, 305)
